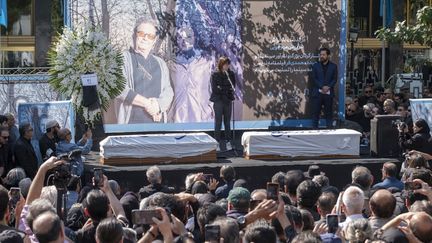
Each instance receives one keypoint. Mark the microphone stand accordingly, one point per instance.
(233, 144)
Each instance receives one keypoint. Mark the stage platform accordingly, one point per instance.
(256, 172)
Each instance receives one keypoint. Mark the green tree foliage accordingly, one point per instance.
(421, 32)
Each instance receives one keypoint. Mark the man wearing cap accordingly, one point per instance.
(48, 142)
(238, 202)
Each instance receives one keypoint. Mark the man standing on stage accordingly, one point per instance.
(324, 75)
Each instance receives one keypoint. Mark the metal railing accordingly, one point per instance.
(29, 84)
(24, 75)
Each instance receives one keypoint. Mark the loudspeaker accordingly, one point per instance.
(384, 136)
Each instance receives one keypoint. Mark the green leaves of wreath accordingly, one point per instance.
(78, 52)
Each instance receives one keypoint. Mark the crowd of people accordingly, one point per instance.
(17, 150)
(378, 101)
(294, 206)
(51, 202)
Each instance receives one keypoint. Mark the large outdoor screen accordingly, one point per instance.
(171, 48)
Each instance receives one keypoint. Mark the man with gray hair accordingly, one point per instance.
(154, 177)
(148, 93)
(48, 228)
(229, 229)
(352, 205)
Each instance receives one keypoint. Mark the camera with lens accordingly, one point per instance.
(63, 173)
(399, 125)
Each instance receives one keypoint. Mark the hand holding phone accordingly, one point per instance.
(15, 196)
(332, 222)
(212, 233)
(207, 177)
(98, 177)
(145, 217)
(273, 191)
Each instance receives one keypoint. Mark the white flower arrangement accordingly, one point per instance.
(82, 51)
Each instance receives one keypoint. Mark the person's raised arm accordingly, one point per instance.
(89, 142)
(267, 209)
(113, 200)
(424, 155)
(38, 182)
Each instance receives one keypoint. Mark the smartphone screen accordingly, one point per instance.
(332, 222)
(212, 233)
(98, 177)
(145, 217)
(273, 191)
(207, 177)
(15, 196)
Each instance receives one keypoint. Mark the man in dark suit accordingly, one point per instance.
(324, 76)
(25, 155)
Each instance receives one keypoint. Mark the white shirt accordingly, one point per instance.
(350, 218)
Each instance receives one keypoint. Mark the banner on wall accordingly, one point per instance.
(421, 108)
(171, 48)
(38, 114)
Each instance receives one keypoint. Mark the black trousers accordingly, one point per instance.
(222, 110)
(317, 103)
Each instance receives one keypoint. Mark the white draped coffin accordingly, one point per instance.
(158, 148)
(301, 144)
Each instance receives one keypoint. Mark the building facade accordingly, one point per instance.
(365, 65)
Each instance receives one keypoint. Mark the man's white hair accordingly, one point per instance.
(190, 180)
(353, 199)
(49, 193)
(153, 174)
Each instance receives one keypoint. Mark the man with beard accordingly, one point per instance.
(148, 93)
(367, 96)
(47, 144)
(324, 76)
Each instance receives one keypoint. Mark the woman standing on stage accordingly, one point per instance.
(223, 83)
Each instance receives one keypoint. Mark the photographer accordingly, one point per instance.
(33, 205)
(65, 146)
(419, 140)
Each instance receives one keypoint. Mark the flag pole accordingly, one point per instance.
(383, 43)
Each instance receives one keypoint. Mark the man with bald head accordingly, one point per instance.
(65, 146)
(382, 205)
(48, 228)
(421, 225)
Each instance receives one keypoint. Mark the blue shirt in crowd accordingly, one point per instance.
(390, 182)
(65, 147)
(223, 191)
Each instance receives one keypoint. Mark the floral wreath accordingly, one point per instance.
(84, 51)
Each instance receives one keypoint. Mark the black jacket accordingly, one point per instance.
(152, 189)
(25, 157)
(419, 141)
(222, 90)
(46, 143)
